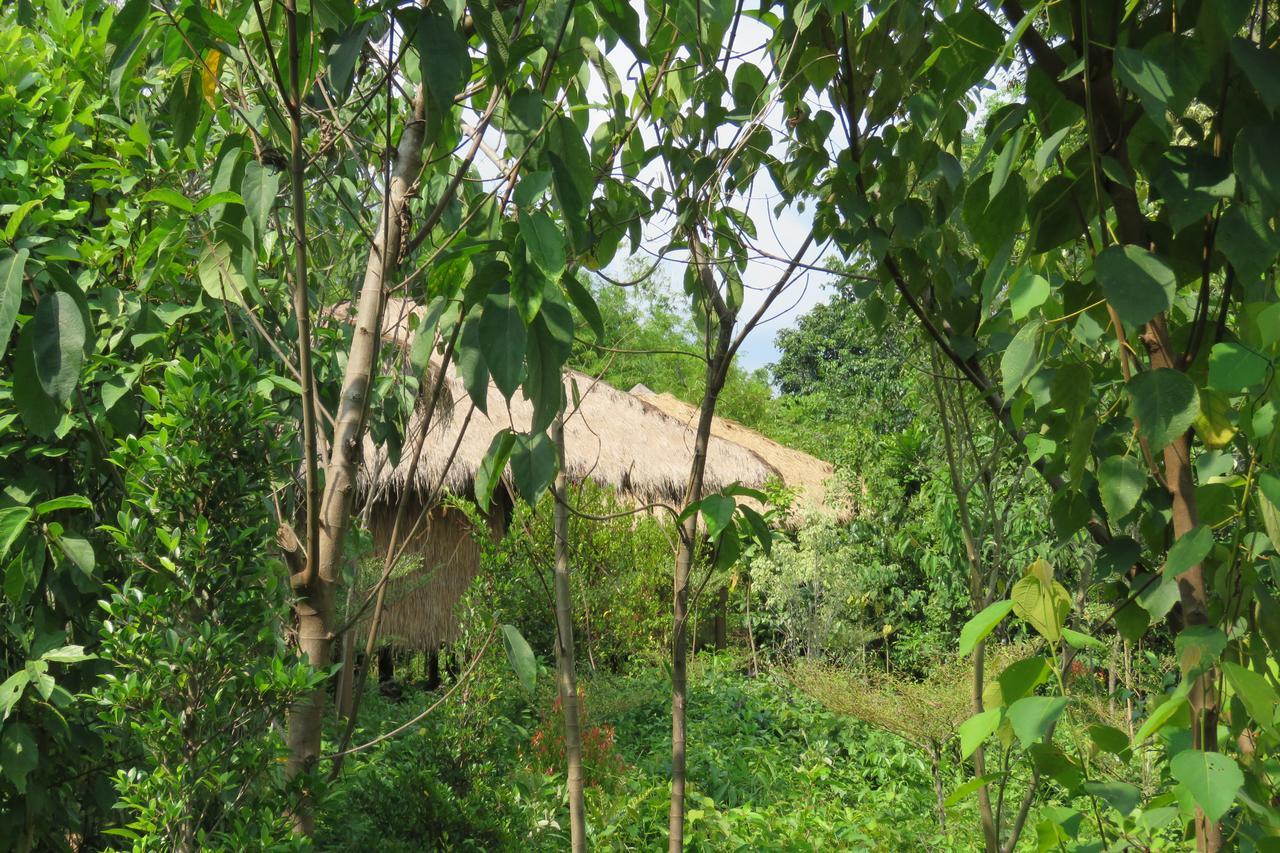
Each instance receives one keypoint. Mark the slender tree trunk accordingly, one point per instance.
(722, 618)
(315, 604)
(939, 794)
(680, 587)
(565, 666)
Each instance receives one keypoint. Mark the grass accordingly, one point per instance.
(768, 769)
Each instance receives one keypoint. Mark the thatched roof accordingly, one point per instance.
(807, 474)
(611, 437)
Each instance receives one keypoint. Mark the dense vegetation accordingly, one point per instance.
(1038, 612)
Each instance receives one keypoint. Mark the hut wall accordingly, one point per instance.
(419, 610)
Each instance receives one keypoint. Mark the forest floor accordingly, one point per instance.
(769, 770)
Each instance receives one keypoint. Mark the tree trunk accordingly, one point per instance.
(315, 605)
(565, 667)
(721, 630)
(680, 587)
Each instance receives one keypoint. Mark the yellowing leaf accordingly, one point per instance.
(1213, 424)
(209, 76)
(1041, 601)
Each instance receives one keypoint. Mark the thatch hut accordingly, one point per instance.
(611, 438)
(807, 475)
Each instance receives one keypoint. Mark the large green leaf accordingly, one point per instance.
(1191, 547)
(1121, 796)
(489, 473)
(445, 61)
(544, 243)
(1234, 367)
(1211, 777)
(1165, 404)
(1019, 361)
(12, 268)
(1191, 184)
(19, 754)
(977, 729)
(981, 625)
(1020, 678)
(1246, 238)
(471, 362)
(503, 339)
(1121, 480)
(1137, 283)
(58, 345)
(717, 514)
(520, 656)
(12, 521)
(1257, 694)
(1163, 713)
(1041, 601)
(1257, 163)
(533, 465)
(1032, 716)
(1144, 76)
(1027, 293)
(39, 412)
(1262, 67)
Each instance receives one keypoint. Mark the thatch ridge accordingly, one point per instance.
(807, 474)
(611, 437)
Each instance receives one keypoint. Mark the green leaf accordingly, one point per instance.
(968, 788)
(258, 189)
(39, 412)
(977, 729)
(1046, 151)
(1262, 67)
(18, 754)
(523, 120)
(1078, 640)
(1190, 549)
(1255, 692)
(489, 473)
(1005, 163)
(167, 197)
(12, 521)
(1257, 163)
(1212, 778)
(1192, 184)
(470, 360)
(544, 243)
(59, 344)
(1132, 622)
(65, 502)
(12, 269)
(11, 691)
(981, 625)
(1019, 361)
(1198, 647)
(1022, 677)
(1121, 796)
(1109, 739)
(1041, 601)
(1246, 238)
(1234, 368)
(1164, 403)
(67, 654)
(445, 61)
(1158, 596)
(623, 20)
(218, 274)
(1163, 713)
(79, 551)
(1028, 292)
(573, 179)
(717, 514)
(521, 658)
(582, 299)
(1121, 480)
(1032, 716)
(533, 465)
(1148, 80)
(503, 339)
(1137, 283)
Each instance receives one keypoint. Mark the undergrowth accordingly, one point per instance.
(769, 769)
